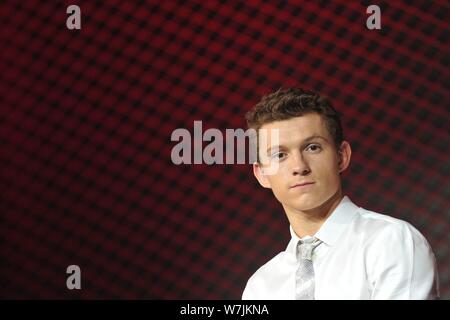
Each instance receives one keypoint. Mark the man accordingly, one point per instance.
(338, 250)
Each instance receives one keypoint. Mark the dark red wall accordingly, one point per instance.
(86, 118)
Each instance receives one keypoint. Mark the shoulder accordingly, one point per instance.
(381, 227)
(399, 260)
(388, 239)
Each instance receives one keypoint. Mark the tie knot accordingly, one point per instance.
(305, 248)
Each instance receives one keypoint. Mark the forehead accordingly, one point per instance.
(296, 129)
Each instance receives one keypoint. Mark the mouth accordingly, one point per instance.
(302, 185)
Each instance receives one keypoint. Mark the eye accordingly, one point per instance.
(314, 148)
(278, 155)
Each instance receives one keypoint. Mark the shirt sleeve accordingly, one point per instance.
(401, 265)
(248, 293)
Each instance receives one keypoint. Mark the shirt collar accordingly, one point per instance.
(333, 226)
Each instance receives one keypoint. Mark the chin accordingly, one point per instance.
(305, 203)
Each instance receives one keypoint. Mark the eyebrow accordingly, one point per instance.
(316, 136)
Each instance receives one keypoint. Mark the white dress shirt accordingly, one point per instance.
(363, 255)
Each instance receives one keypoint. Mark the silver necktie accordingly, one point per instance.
(304, 277)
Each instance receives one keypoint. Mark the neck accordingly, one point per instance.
(308, 222)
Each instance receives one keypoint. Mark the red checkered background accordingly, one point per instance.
(86, 118)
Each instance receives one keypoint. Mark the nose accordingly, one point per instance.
(299, 165)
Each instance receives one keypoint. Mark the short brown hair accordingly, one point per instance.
(285, 104)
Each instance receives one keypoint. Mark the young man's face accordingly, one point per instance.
(304, 153)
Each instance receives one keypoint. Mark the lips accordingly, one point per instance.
(299, 185)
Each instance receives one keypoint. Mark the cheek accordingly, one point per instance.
(278, 184)
(326, 172)
(326, 164)
(330, 177)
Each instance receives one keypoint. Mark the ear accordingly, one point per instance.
(344, 153)
(258, 171)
